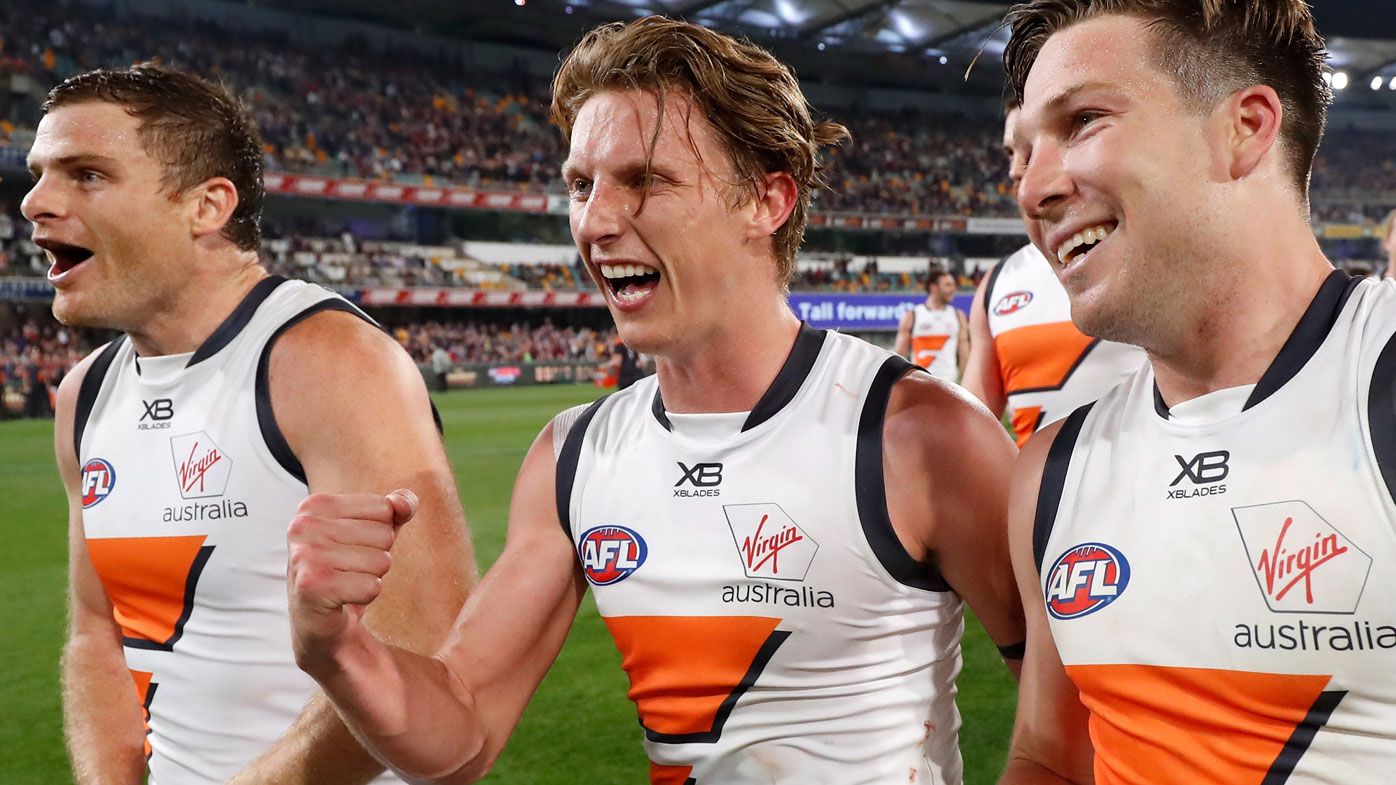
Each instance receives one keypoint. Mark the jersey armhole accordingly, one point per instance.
(89, 390)
(993, 279)
(569, 429)
(266, 418)
(1049, 493)
(870, 486)
(1381, 415)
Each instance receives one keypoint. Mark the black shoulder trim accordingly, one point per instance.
(567, 460)
(1049, 493)
(87, 393)
(236, 320)
(1308, 335)
(994, 279)
(870, 486)
(753, 672)
(1381, 414)
(436, 418)
(266, 418)
(808, 343)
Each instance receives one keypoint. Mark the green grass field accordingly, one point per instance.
(579, 728)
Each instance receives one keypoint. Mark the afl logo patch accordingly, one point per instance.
(1085, 579)
(610, 554)
(1012, 303)
(98, 481)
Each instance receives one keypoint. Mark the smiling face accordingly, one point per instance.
(116, 240)
(1118, 184)
(678, 269)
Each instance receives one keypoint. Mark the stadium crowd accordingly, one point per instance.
(351, 111)
(35, 354)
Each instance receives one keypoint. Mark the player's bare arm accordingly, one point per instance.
(102, 721)
(903, 345)
(947, 464)
(1051, 744)
(355, 412)
(442, 718)
(982, 377)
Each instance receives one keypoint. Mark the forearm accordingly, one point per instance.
(102, 722)
(408, 710)
(1025, 771)
(318, 749)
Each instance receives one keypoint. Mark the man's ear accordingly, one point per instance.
(213, 202)
(776, 194)
(1252, 119)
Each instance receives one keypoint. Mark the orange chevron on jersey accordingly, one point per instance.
(924, 348)
(1039, 356)
(145, 691)
(151, 582)
(1167, 724)
(683, 684)
(1047, 367)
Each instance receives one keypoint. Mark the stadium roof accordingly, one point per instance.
(921, 43)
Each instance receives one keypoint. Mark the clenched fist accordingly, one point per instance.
(340, 547)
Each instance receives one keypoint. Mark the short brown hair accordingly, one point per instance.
(194, 128)
(933, 275)
(1212, 48)
(749, 97)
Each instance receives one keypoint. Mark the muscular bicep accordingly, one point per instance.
(372, 431)
(1050, 729)
(948, 465)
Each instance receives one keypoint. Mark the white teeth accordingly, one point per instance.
(624, 270)
(1093, 234)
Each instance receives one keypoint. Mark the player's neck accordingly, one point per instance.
(734, 368)
(1232, 339)
(201, 304)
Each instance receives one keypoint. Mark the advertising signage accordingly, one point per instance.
(857, 312)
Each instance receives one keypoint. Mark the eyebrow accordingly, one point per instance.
(1056, 102)
(73, 161)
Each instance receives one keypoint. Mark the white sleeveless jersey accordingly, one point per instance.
(772, 626)
(1222, 590)
(188, 488)
(1048, 367)
(935, 341)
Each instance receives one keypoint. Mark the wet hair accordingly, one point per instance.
(194, 128)
(750, 98)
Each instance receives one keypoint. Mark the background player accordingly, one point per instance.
(1024, 353)
(1203, 551)
(934, 334)
(186, 444)
(777, 623)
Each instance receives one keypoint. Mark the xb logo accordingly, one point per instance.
(159, 410)
(1205, 467)
(702, 475)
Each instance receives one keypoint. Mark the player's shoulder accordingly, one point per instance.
(70, 388)
(931, 415)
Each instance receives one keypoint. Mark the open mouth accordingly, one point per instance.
(63, 255)
(629, 282)
(1079, 246)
